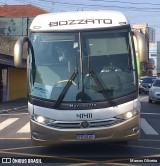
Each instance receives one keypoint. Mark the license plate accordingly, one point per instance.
(85, 136)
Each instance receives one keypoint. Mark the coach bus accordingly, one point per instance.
(82, 77)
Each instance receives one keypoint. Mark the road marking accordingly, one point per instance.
(149, 140)
(48, 156)
(143, 98)
(7, 123)
(147, 128)
(104, 162)
(87, 162)
(80, 164)
(24, 147)
(15, 114)
(15, 139)
(150, 113)
(142, 147)
(25, 129)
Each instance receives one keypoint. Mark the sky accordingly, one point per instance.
(137, 11)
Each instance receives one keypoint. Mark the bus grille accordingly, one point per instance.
(78, 124)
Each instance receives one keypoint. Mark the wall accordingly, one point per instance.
(17, 83)
(10, 26)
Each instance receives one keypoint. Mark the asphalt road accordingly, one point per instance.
(15, 143)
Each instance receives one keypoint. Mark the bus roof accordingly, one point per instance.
(78, 20)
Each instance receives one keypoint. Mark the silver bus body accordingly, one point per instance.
(82, 74)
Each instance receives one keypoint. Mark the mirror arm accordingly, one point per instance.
(18, 51)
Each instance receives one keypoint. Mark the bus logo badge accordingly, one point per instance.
(84, 124)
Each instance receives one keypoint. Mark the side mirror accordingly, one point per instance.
(141, 46)
(18, 52)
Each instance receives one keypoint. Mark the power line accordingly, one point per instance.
(133, 3)
(104, 6)
(148, 9)
(91, 5)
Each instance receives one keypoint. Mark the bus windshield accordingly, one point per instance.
(82, 66)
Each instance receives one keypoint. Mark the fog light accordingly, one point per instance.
(129, 115)
(135, 130)
(35, 135)
(40, 119)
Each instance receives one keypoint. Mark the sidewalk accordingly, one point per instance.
(14, 105)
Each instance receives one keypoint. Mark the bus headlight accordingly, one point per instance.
(129, 114)
(41, 119)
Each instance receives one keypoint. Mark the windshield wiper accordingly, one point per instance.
(107, 93)
(33, 66)
(65, 89)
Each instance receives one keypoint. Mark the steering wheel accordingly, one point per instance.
(112, 68)
(62, 81)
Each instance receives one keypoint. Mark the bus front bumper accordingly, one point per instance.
(125, 131)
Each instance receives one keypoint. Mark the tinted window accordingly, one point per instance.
(104, 61)
(148, 80)
(156, 83)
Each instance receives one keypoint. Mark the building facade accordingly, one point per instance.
(148, 68)
(158, 58)
(14, 22)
